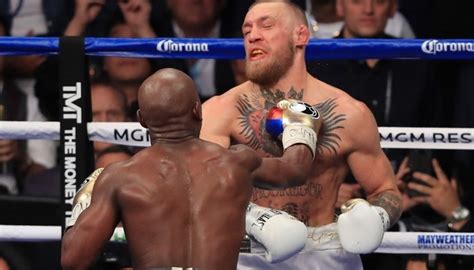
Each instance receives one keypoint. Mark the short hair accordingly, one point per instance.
(294, 8)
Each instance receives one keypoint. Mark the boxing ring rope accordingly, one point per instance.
(233, 48)
(134, 134)
(393, 242)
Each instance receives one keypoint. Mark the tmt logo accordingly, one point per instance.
(70, 109)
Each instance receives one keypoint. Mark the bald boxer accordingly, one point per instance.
(275, 38)
(183, 201)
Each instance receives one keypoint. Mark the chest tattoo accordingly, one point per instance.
(311, 189)
(253, 108)
(332, 122)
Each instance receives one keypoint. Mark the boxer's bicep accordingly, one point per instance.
(371, 167)
(367, 161)
(374, 173)
(93, 228)
(215, 128)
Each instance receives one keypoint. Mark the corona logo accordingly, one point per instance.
(168, 45)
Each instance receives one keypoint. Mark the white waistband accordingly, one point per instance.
(324, 237)
(319, 238)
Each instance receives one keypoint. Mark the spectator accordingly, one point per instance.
(437, 191)
(85, 14)
(108, 105)
(442, 195)
(126, 73)
(326, 22)
(396, 91)
(463, 160)
(15, 163)
(184, 19)
(31, 18)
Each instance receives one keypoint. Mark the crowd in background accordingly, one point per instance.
(406, 93)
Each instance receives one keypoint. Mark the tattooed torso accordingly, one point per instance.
(313, 202)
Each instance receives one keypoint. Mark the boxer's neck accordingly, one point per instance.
(295, 77)
(172, 136)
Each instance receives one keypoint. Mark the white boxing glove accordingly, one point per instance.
(361, 226)
(281, 234)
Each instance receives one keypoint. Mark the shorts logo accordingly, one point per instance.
(168, 45)
(263, 218)
(434, 46)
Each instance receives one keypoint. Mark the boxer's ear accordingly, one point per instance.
(197, 111)
(140, 119)
(302, 35)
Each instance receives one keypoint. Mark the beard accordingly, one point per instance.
(269, 71)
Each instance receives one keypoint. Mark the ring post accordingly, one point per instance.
(76, 151)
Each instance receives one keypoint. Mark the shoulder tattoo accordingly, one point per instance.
(332, 121)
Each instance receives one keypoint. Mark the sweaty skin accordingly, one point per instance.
(348, 140)
(182, 201)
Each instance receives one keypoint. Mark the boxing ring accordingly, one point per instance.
(133, 134)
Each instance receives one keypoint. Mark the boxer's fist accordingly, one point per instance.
(82, 199)
(294, 122)
(281, 235)
(361, 226)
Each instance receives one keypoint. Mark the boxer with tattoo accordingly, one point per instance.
(184, 202)
(275, 37)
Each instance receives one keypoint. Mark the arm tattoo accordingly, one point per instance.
(331, 122)
(391, 203)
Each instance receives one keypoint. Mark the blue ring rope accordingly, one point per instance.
(233, 48)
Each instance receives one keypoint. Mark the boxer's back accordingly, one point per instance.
(184, 205)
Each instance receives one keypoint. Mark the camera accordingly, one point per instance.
(419, 160)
